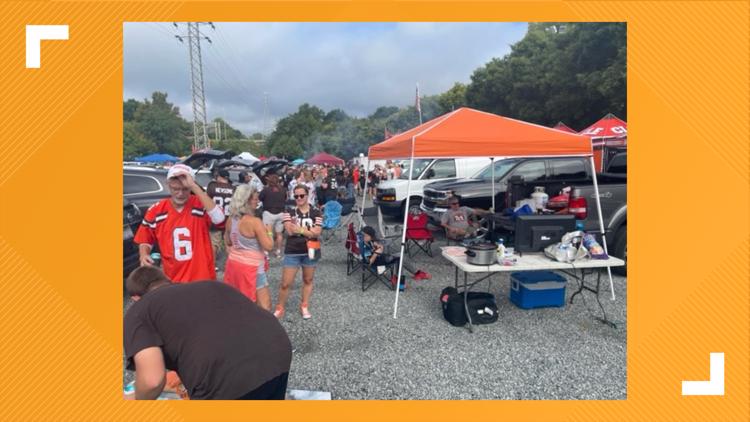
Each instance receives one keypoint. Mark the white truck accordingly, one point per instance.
(391, 194)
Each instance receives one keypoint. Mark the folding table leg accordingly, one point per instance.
(466, 305)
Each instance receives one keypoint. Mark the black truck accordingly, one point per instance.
(554, 174)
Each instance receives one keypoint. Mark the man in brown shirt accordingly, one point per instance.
(222, 345)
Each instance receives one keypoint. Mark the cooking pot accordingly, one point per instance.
(483, 253)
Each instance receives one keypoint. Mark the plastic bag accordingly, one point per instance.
(570, 249)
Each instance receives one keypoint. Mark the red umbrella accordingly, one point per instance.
(324, 158)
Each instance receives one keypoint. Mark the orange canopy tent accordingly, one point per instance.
(472, 133)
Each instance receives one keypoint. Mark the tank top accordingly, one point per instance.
(245, 249)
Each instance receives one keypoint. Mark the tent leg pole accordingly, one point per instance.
(403, 231)
(601, 224)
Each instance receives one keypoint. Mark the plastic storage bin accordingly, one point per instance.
(537, 289)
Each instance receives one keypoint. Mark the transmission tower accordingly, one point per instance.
(200, 125)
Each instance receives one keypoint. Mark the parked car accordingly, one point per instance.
(131, 219)
(144, 186)
(390, 195)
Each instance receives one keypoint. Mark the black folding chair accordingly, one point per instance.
(371, 274)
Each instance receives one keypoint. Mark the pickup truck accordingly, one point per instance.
(554, 174)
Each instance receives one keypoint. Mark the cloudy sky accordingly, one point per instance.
(356, 67)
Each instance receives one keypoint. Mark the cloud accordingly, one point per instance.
(356, 67)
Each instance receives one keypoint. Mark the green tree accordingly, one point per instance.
(160, 122)
(134, 143)
(574, 72)
(128, 109)
(297, 132)
(453, 98)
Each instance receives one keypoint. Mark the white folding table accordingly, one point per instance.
(530, 262)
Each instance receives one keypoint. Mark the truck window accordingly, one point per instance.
(619, 164)
(567, 169)
(132, 184)
(443, 169)
(532, 171)
(419, 166)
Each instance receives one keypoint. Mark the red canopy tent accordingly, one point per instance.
(608, 132)
(325, 158)
(563, 127)
(472, 133)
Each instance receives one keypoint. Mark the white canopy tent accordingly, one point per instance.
(247, 156)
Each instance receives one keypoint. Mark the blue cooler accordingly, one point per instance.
(537, 289)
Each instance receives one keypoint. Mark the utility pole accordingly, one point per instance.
(200, 126)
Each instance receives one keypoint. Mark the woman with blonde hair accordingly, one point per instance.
(246, 239)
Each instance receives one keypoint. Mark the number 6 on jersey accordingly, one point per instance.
(183, 247)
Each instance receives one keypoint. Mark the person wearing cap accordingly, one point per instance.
(220, 190)
(180, 226)
(456, 220)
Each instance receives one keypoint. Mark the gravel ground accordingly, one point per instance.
(353, 348)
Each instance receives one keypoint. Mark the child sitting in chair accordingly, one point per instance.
(374, 252)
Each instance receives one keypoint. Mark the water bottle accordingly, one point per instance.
(311, 253)
(500, 251)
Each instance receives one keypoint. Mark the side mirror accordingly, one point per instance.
(430, 174)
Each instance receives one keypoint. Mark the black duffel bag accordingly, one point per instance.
(482, 307)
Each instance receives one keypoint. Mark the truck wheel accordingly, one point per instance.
(621, 251)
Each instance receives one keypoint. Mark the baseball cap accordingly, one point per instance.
(179, 169)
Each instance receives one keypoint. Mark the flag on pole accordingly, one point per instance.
(418, 106)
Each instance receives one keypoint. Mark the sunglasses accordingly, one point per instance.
(299, 196)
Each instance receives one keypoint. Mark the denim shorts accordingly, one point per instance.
(299, 261)
(261, 280)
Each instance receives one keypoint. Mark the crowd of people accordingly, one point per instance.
(278, 215)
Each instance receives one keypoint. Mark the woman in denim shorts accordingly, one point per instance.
(302, 222)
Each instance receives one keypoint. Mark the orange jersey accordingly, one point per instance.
(183, 239)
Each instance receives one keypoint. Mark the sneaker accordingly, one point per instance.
(279, 312)
(278, 253)
(305, 312)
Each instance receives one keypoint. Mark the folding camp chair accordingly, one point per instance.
(331, 220)
(371, 274)
(418, 236)
(353, 254)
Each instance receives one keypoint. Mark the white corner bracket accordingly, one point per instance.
(715, 384)
(34, 36)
